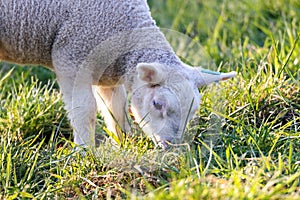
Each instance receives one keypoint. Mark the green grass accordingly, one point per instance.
(246, 133)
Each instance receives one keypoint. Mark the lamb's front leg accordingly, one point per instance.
(83, 116)
(80, 105)
(112, 102)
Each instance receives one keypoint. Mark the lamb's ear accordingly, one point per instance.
(151, 72)
(205, 77)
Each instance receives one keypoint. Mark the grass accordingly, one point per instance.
(246, 133)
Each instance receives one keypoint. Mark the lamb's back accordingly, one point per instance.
(31, 29)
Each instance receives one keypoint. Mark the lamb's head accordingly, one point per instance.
(167, 98)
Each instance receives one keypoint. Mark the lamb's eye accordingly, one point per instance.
(157, 105)
(154, 85)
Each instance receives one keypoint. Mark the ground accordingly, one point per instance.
(244, 142)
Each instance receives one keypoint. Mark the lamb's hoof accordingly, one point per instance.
(83, 149)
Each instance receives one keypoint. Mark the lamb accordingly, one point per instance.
(102, 51)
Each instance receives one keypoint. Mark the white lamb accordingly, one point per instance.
(99, 49)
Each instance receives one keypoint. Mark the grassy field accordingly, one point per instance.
(245, 138)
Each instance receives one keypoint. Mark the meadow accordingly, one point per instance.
(244, 142)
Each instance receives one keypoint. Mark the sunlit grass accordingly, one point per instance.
(246, 133)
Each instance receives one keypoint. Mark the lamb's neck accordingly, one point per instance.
(142, 45)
